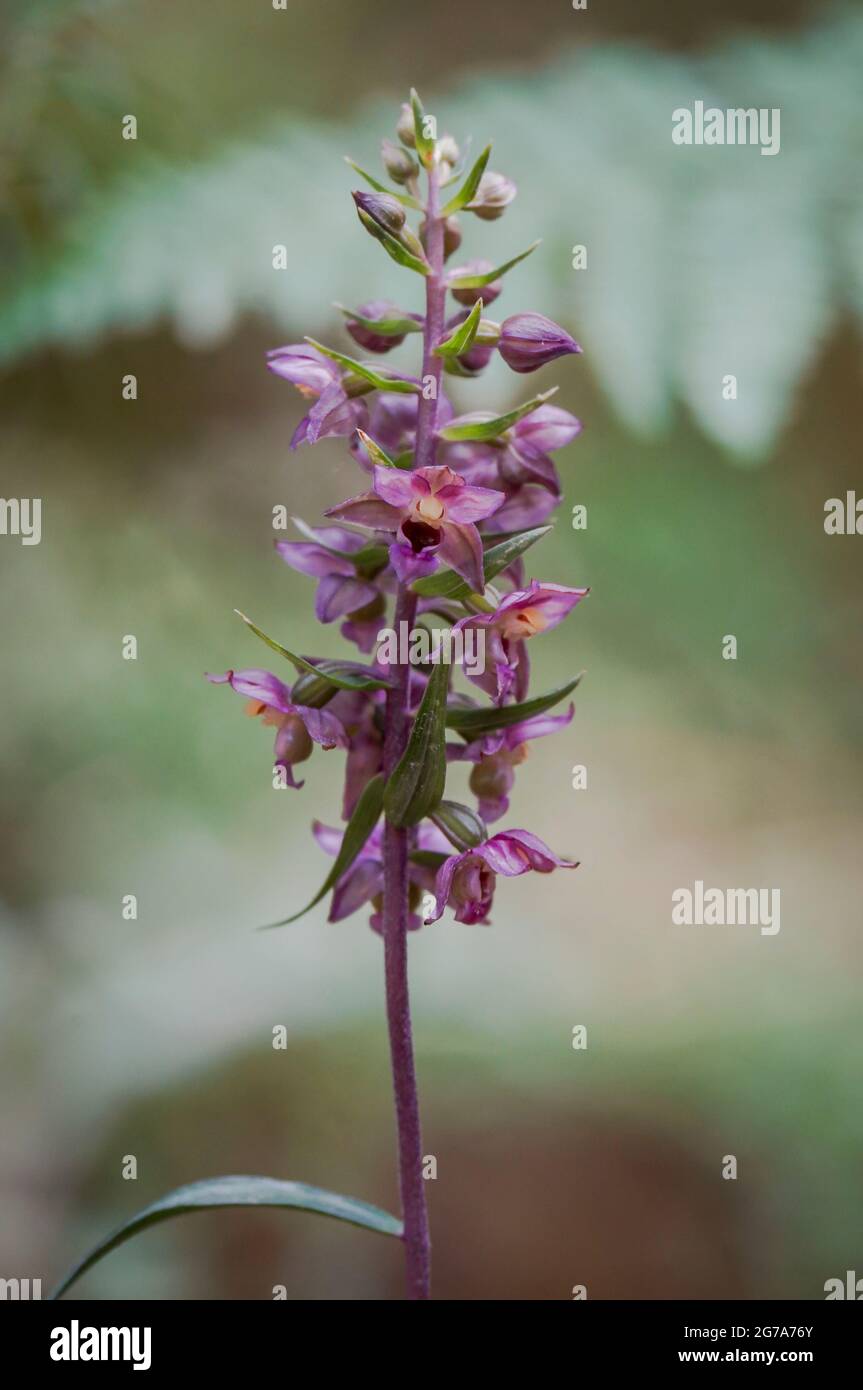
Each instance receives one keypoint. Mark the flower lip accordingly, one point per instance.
(466, 881)
(420, 535)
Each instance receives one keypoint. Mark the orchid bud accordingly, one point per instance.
(462, 826)
(478, 355)
(355, 385)
(495, 193)
(384, 210)
(447, 151)
(528, 341)
(492, 777)
(488, 332)
(405, 126)
(451, 236)
(400, 167)
(366, 337)
(293, 744)
(487, 293)
(312, 691)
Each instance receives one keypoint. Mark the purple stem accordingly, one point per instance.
(395, 906)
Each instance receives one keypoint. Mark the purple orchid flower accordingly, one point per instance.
(364, 880)
(496, 756)
(318, 379)
(466, 882)
(519, 462)
(340, 593)
(529, 341)
(522, 614)
(297, 726)
(434, 512)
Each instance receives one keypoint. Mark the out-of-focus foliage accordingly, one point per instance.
(701, 260)
(140, 777)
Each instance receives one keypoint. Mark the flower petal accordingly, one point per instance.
(322, 726)
(465, 503)
(304, 367)
(443, 883)
(547, 428)
(257, 685)
(395, 486)
(338, 595)
(461, 549)
(514, 852)
(537, 727)
(528, 506)
(362, 882)
(334, 414)
(328, 837)
(368, 510)
(410, 564)
(308, 558)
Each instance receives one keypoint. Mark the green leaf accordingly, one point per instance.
(448, 584)
(475, 281)
(417, 784)
(405, 198)
(393, 247)
(214, 1194)
(492, 425)
(453, 366)
(378, 379)
(330, 677)
(461, 340)
(428, 858)
(394, 327)
(470, 185)
(343, 674)
(376, 453)
(360, 826)
(424, 146)
(372, 558)
(462, 826)
(366, 561)
(472, 723)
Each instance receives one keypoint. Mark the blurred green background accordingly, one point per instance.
(705, 517)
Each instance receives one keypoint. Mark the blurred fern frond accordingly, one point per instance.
(702, 261)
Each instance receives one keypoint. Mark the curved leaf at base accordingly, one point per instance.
(211, 1194)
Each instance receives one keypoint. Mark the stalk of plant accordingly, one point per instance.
(454, 505)
(396, 888)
